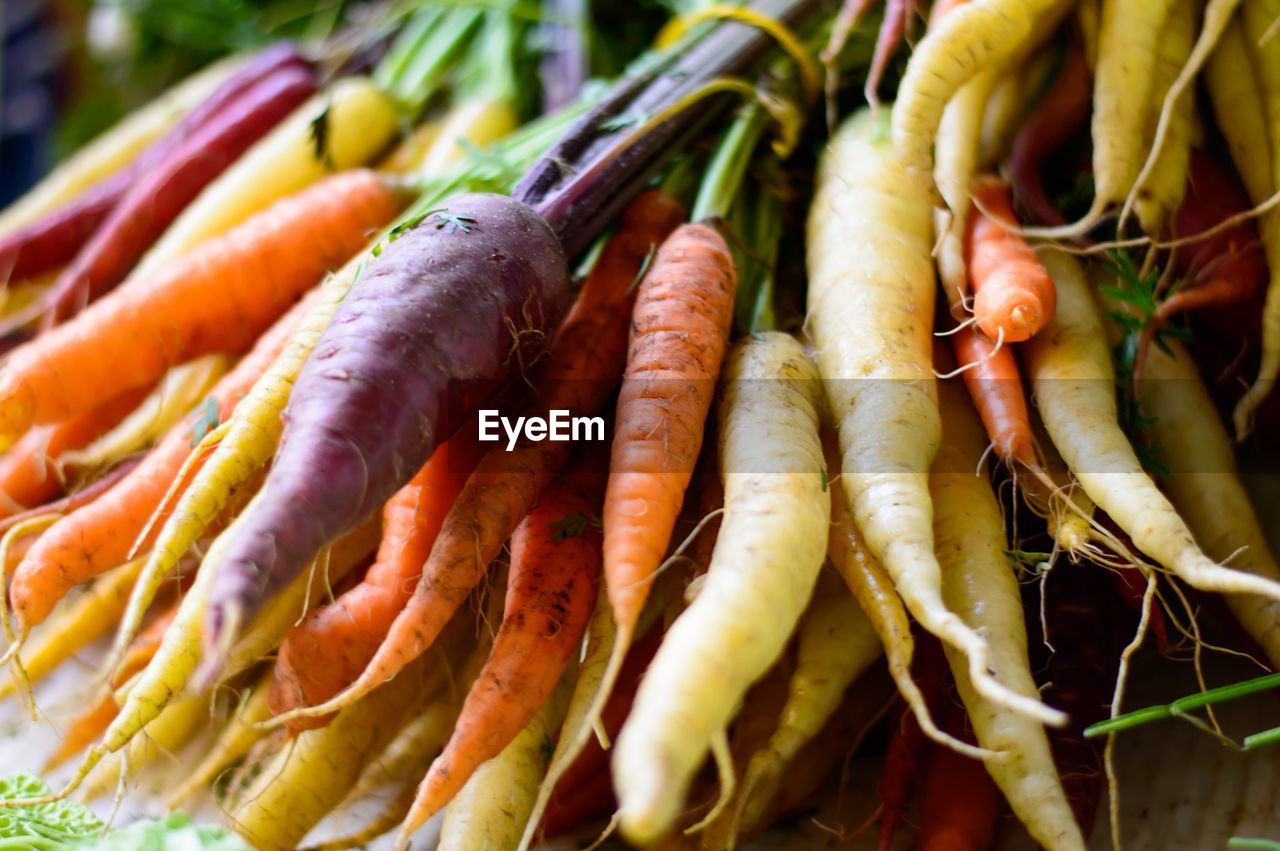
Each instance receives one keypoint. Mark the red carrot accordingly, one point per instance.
(1061, 112)
(158, 196)
(53, 240)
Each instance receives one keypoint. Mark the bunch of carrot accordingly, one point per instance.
(249, 416)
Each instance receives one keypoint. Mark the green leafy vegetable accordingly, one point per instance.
(56, 825)
(175, 833)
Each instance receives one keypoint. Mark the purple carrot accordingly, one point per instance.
(431, 331)
(164, 191)
(53, 240)
(448, 314)
(1061, 112)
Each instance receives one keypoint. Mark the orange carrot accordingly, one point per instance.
(680, 329)
(1014, 296)
(992, 378)
(29, 470)
(579, 374)
(552, 586)
(217, 298)
(77, 499)
(100, 536)
(328, 650)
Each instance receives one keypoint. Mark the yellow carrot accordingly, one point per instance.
(870, 313)
(978, 581)
(766, 561)
(1073, 384)
(361, 121)
(492, 810)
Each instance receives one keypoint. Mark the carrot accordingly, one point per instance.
(1244, 84)
(304, 781)
(154, 200)
(85, 620)
(579, 755)
(94, 721)
(30, 470)
(1235, 91)
(972, 38)
(493, 808)
(54, 240)
(956, 162)
(181, 389)
(959, 804)
(157, 688)
(995, 386)
(1013, 294)
(1225, 268)
(763, 570)
(835, 644)
(75, 500)
(555, 564)
(234, 743)
(1072, 379)
(1060, 113)
(176, 725)
(978, 582)
(119, 146)
(680, 329)
(873, 589)
(1128, 42)
(877, 376)
(1158, 186)
(246, 443)
(498, 277)
(330, 648)
(359, 121)
(101, 535)
(1205, 486)
(219, 297)
(578, 375)
(907, 743)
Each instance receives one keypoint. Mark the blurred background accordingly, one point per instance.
(70, 68)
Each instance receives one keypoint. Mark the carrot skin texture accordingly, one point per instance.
(65, 556)
(159, 195)
(219, 297)
(328, 650)
(995, 385)
(1063, 111)
(551, 589)
(53, 240)
(423, 339)
(679, 336)
(1013, 294)
(29, 470)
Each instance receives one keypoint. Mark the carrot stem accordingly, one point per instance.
(1183, 705)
